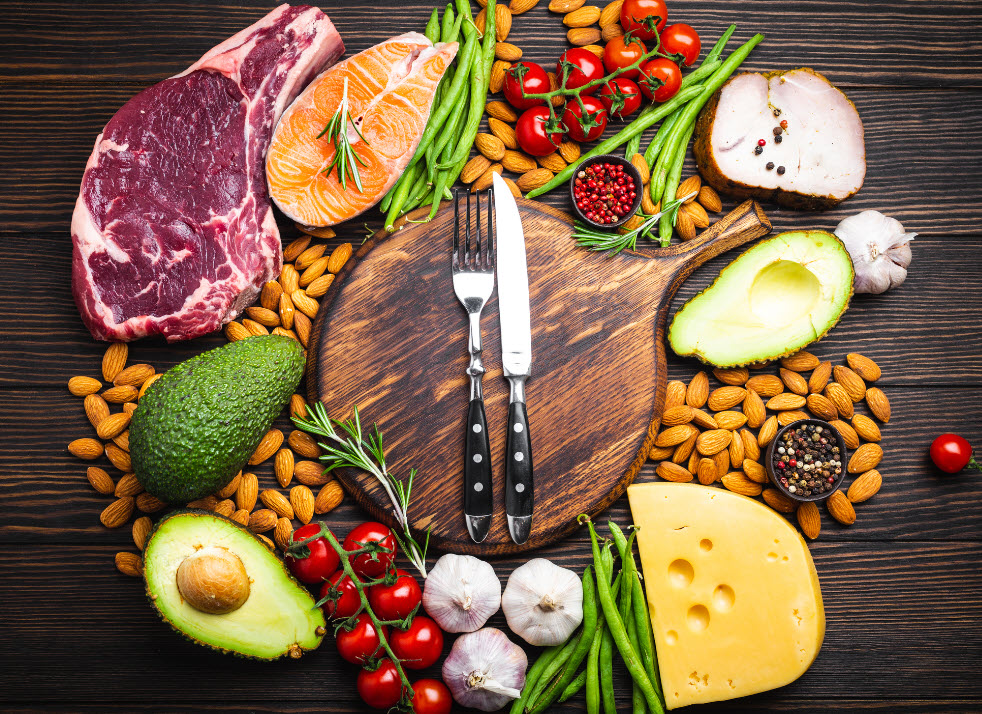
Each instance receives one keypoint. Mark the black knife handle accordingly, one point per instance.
(477, 464)
(518, 463)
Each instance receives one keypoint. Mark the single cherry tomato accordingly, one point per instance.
(527, 76)
(360, 642)
(585, 125)
(645, 18)
(623, 51)
(396, 601)
(535, 135)
(683, 42)
(621, 97)
(371, 565)
(431, 696)
(420, 645)
(951, 453)
(321, 562)
(582, 66)
(348, 601)
(381, 688)
(660, 79)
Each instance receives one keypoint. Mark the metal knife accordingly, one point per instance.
(516, 358)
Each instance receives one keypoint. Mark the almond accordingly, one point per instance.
(569, 150)
(703, 419)
(697, 393)
(581, 36)
(753, 409)
(480, 20)
(785, 400)
(254, 327)
(276, 502)
(866, 457)
(235, 331)
(800, 361)
(241, 517)
(339, 256)
(114, 360)
(149, 504)
(304, 303)
(691, 185)
(117, 513)
(837, 394)
(225, 508)
(307, 258)
(713, 441)
(128, 485)
(504, 132)
(283, 467)
(722, 462)
(841, 509)
(83, 386)
(611, 31)
(736, 450)
(683, 224)
(733, 376)
(878, 403)
(518, 163)
(731, 420)
(554, 162)
(310, 473)
(122, 440)
(497, 82)
(865, 486)
(778, 501)
(822, 407)
(267, 318)
(247, 493)
(766, 385)
(485, 180)
(129, 564)
(677, 415)
(706, 472)
(126, 393)
(113, 425)
(502, 22)
(660, 453)
(534, 179)
(476, 166)
(725, 398)
(129, 408)
(637, 160)
(304, 444)
(491, 146)
(863, 366)
(507, 52)
(809, 519)
(737, 482)
(788, 417)
(501, 110)
(611, 14)
(283, 533)
(848, 434)
(582, 17)
(302, 501)
(513, 187)
(88, 449)
(229, 489)
(286, 310)
(328, 497)
(675, 394)
(323, 232)
(754, 471)
(768, 431)
(648, 206)
(517, 7)
(562, 6)
(283, 332)
(292, 251)
(675, 435)
(851, 382)
(793, 381)
(262, 520)
(100, 480)
(684, 450)
(751, 449)
(141, 529)
(298, 407)
(268, 446)
(866, 428)
(289, 279)
(266, 541)
(96, 409)
(673, 472)
(709, 199)
(208, 503)
(269, 298)
(316, 289)
(700, 219)
(820, 377)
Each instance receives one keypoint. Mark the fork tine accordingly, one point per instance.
(456, 229)
(477, 254)
(467, 236)
(491, 228)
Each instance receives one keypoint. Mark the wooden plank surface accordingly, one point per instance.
(902, 586)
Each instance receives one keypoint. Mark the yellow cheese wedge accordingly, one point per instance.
(732, 591)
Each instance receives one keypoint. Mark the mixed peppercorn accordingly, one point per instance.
(605, 193)
(807, 460)
(778, 133)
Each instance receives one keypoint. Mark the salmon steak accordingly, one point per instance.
(390, 89)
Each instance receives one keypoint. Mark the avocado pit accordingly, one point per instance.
(213, 580)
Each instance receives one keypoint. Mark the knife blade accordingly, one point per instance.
(516, 357)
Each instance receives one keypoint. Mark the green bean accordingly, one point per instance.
(593, 660)
(632, 147)
(646, 639)
(574, 687)
(607, 560)
(400, 196)
(479, 88)
(533, 674)
(714, 54)
(464, 10)
(658, 141)
(554, 667)
(447, 25)
(451, 131)
(667, 221)
(432, 30)
(607, 670)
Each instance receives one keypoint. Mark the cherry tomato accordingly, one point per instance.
(681, 40)
(644, 17)
(382, 688)
(530, 77)
(582, 65)
(371, 565)
(348, 599)
(319, 564)
(621, 97)
(419, 646)
(431, 696)
(586, 126)
(533, 132)
(396, 601)
(951, 453)
(660, 79)
(622, 52)
(360, 642)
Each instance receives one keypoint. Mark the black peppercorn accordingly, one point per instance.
(780, 171)
(777, 131)
(758, 150)
(770, 165)
(778, 139)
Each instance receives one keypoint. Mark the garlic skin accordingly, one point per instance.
(879, 249)
(461, 593)
(485, 670)
(543, 603)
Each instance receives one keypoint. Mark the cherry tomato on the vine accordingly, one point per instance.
(586, 122)
(360, 642)
(623, 51)
(396, 601)
(682, 41)
(321, 562)
(645, 18)
(534, 135)
(660, 79)
(431, 696)
(621, 97)
(527, 76)
(371, 565)
(582, 67)
(348, 600)
(381, 688)
(951, 453)
(420, 645)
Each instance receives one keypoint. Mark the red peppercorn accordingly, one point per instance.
(761, 142)
(604, 193)
(784, 123)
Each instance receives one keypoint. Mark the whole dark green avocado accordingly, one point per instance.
(197, 425)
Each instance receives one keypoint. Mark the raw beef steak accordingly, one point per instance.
(173, 231)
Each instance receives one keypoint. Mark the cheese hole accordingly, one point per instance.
(772, 557)
(698, 618)
(706, 544)
(680, 573)
(723, 598)
(671, 637)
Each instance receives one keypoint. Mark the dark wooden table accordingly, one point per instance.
(901, 586)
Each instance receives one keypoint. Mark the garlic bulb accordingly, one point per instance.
(485, 670)
(461, 593)
(879, 249)
(543, 603)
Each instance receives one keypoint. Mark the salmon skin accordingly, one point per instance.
(391, 87)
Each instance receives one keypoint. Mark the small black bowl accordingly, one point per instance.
(769, 459)
(629, 169)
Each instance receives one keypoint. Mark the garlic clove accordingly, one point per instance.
(543, 603)
(461, 593)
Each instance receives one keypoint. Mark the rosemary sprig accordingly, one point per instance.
(336, 131)
(604, 240)
(351, 449)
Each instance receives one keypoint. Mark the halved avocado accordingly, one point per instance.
(217, 584)
(775, 298)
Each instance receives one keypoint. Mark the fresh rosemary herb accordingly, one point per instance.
(348, 447)
(598, 239)
(336, 131)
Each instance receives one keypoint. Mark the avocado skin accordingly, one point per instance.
(197, 425)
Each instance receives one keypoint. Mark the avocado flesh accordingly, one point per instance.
(278, 618)
(197, 425)
(773, 300)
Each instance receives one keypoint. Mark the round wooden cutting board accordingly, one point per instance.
(391, 338)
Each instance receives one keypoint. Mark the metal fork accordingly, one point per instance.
(473, 282)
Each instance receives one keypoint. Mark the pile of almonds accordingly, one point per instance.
(722, 444)
(692, 214)
(287, 307)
